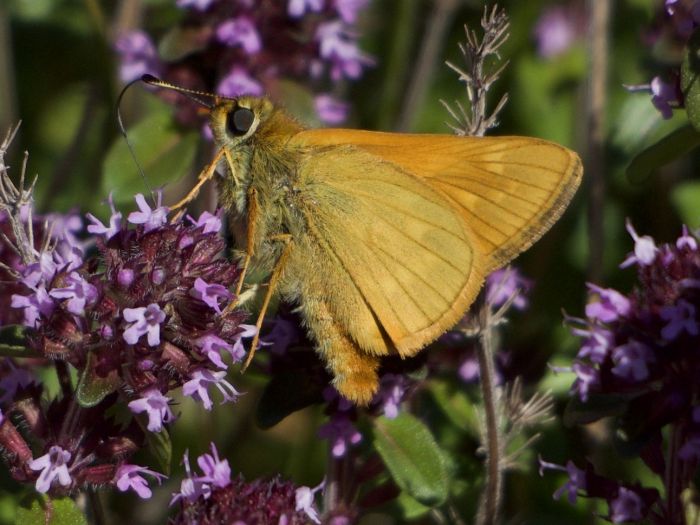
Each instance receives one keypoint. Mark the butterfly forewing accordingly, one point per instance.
(509, 190)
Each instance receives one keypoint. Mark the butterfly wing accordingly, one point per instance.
(509, 190)
(394, 246)
(416, 221)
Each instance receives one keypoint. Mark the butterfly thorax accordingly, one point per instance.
(265, 170)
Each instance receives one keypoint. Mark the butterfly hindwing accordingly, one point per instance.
(401, 244)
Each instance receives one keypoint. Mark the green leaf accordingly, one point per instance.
(286, 393)
(685, 196)
(597, 407)
(410, 508)
(456, 406)
(13, 342)
(92, 388)
(161, 448)
(164, 154)
(690, 79)
(670, 147)
(413, 458)
(41, 509)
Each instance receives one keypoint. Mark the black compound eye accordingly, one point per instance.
(239, 121)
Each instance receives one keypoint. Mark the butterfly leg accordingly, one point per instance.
(253, 210)
(205, 175)
(354, 371)
(271, 286)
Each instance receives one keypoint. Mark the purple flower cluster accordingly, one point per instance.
(641, 344)
(213, 497)
(148, 313)
(673, 27)
(627, 503)
(246, 47)
(639, 354)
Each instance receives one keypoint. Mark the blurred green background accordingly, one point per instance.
(58, 75)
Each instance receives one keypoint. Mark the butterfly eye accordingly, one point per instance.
(239, 121)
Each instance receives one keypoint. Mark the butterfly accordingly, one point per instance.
(382, 240)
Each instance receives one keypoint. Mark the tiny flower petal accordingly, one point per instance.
(644, 249)
(156, 407)
(52, 465)
(131, 477)
(627, 506)
(149, 218)
(216, 471)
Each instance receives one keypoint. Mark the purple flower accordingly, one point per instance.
(680, 317)
(631, 361)
(53, 464)
(240, 32)
(598, 343)
(130, 477)
(330, 110)
(210, 294)
(690, 451)
(281, 336)
(191, 488)
(249, 330)
(209, 221)
(627, 506)
(686, 241)
(556, 31)
(610, 305)
(685, 16)
(392, 390)
(79, 292)
(297, 8)
(505, 285)
(138, 56)
(304, 497)
(125, 277)
(216, 471)
(65, 227)
(66, 256)
(144, 320)
(644, 249)
(664, 96)
(238, 82)
(348, 9)
(211, 346)
(200, 5)
(469, 369)
(15, 379)
(150, 218)
(115, 222)
(576, 482)
(338, 46)
(35, 305)
(156, 406)
(586, 377)
(202, 379)
(341, 433)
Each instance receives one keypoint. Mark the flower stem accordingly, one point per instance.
(331, 492)
(599, 12)
(489, 507)
(423, 73)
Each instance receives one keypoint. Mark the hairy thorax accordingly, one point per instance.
(266, 174)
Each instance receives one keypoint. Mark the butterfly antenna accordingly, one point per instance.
(122, 129)
(192, 94)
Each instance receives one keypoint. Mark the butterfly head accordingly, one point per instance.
(234, 121)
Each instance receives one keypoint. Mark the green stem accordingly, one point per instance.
(489, 507)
